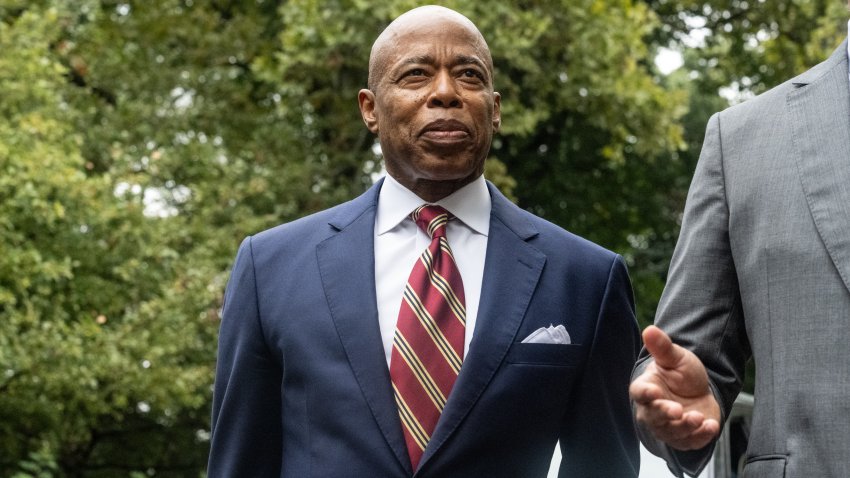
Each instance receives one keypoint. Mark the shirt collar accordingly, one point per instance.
(470, 204)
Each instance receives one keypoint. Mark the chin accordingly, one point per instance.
(442, 169)
(450, 176)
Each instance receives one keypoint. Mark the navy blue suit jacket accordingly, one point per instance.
(303, 390)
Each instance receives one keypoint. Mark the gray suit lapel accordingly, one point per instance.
(347, 268)
(820, 114)
(511, 272)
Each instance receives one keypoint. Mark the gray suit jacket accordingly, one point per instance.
(762, 268)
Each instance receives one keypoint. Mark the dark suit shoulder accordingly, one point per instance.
(558, 244)
(562, 245)
(314, 228)
(310, 228)
(558, 236)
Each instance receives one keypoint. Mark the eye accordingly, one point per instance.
(415, 72)
(473, 73)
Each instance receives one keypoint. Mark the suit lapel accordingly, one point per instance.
(511, 272)
(820, 113)
(347, 268)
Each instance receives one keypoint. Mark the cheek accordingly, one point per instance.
(394, 115)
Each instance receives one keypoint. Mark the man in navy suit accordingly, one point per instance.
(306, 350)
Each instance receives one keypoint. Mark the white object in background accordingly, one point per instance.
(650, 466)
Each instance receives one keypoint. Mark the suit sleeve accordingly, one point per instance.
(597, 436)
(701, 305)
(246, 416)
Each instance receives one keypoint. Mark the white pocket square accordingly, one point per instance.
(548, 335)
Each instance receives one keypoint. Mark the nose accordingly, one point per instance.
(444, 93)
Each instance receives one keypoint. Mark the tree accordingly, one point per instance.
(77, 264)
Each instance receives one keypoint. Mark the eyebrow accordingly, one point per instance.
(457, 60)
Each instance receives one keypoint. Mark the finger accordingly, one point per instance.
(659, 345)
(660, 415)
(691, 433)
(670, 409)
(683, 433)
(693, 418)
(642, 390)
(697, 439)
(710, 428)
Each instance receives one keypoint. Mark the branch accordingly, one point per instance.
(77, 78)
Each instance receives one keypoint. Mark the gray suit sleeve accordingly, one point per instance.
(701, 305)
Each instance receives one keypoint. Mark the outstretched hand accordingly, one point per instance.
(672, 396)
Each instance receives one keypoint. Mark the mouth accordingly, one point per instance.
(445, 131)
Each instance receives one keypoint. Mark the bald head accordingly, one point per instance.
(432, 18)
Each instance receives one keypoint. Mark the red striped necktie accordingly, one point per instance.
(428, 343)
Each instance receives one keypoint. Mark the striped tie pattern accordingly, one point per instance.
(428, 342)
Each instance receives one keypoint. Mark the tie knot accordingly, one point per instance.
(432, 219)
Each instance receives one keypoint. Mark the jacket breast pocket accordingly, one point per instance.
(765, 466)
(559, 355)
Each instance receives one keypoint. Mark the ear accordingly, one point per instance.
(497, 111)
(366, 100)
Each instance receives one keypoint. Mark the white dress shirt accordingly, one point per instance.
(399, 243)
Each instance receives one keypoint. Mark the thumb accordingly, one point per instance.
(662, 349)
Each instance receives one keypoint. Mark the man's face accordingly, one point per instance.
(433, 108)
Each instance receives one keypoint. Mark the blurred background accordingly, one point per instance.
(140, 141)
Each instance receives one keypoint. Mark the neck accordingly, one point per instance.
(432, 190)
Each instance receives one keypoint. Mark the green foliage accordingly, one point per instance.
(753, 44)
(83, 365)
(141, 141)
